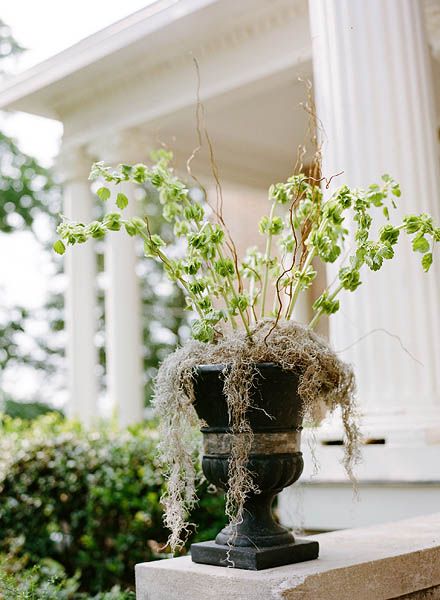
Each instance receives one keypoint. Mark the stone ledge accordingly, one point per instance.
(382, 562)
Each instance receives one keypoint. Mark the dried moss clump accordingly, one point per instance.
(324, 378)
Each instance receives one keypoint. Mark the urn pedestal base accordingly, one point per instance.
(254, 559)
(256, 541)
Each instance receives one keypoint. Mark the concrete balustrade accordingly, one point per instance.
(383, 562)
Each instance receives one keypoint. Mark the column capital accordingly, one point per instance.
(73, 163)
(128, 145)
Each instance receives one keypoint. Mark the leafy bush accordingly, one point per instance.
(26, 410)
(90, 501)
(46, 581)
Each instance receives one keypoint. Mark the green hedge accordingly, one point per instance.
(46, 581)
(26, 410)
(90, 501)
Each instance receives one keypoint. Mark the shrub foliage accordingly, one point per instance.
(90, 501)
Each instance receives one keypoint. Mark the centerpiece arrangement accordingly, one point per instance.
(251, 374)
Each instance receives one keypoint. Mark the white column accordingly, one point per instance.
(80, 298)
(124, 350)
(374, 99)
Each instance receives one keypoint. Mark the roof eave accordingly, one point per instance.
(30, 91)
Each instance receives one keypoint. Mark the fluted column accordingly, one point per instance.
(374, 99)
(123, 313)
(80, 297)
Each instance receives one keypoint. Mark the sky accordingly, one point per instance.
(44, 28)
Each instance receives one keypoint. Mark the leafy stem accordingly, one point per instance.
(147, 237)
(210, 272)
(238, 304)
(267, 255)
(318, 313)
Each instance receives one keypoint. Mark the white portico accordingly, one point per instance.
(132, 86)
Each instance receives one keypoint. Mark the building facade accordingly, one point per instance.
(375, 68)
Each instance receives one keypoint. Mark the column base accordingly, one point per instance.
(254, 559)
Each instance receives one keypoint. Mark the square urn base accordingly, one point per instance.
(254, 559)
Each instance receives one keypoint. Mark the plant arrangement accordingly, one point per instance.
(245, 307)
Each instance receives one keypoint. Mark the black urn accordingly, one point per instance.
(275, 462)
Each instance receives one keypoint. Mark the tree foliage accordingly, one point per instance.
(29, 202)
(9, 47)
(29, 196)
(26, 189)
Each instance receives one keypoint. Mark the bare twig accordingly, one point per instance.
(382, 330)
(218, 210)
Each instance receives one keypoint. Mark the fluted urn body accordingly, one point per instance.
(275, 461)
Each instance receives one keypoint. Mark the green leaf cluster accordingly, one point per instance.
(302, 225)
